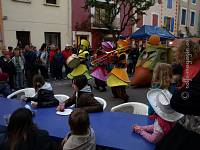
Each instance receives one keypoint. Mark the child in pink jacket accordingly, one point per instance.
(164, 116)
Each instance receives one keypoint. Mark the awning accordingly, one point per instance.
(146, 31)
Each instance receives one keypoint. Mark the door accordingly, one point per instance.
(80, 37)
(23, 38)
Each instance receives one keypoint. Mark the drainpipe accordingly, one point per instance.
(178, 17)
(188, 16)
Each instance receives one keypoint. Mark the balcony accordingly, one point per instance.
(97, 24)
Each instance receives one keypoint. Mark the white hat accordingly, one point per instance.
(160, 101)
(67, 45)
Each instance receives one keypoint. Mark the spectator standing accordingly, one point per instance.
(18, 61)
(142, 48)
(9, 67)
(74, 49)
(58, 62)
(132, 59)
(66, 53)
(51, 54)
(11, 53)
(31, 67)
(42, 59)
(4, 86)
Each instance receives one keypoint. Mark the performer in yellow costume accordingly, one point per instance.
(118, 78)
(78, 63)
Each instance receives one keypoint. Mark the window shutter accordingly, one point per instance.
(165, 21)
(155, 20)
(172, 25)
(140, 21)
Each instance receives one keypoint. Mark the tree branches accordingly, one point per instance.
(127, 9)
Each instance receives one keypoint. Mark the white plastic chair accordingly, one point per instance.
(28, 92)
(61, 97)
(102, 101)
(131, 107)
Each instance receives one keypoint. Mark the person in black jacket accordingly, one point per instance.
(186, 133)
(83, 96)
(22, 134)
(58, 62)
(132, 59)
(31, 67)
(8, 67)
(44, 96)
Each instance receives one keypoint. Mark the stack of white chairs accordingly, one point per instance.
(131, 107)
(27, 92)
(102, 101)
(61, 97)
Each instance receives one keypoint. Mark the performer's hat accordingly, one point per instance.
(85, 43)
(154, 39)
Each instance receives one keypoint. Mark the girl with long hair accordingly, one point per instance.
(23, 134)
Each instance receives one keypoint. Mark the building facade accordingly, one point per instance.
(180, 17)
(86, 27)
(189, 18)
(164, 13)
(1, 27)
(36, 21)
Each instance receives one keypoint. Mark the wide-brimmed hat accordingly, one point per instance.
(160, 101)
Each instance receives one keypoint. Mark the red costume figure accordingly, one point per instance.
(100, 73)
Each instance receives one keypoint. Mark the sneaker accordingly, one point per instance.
(96, 87)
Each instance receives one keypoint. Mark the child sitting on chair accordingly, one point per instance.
(162, 77)
(164, 117)
(44, 93)
(82, 137)
(83, 96)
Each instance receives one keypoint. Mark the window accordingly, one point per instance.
(53, 38)
(192, 20)
(140, 21)
(169, 4)
(169, 23)
(193, 1)
(23, 1)
(155, 20)
(100, 14)
(54, 2)
(183, 16)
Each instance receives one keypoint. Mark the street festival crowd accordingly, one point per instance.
(173, 74)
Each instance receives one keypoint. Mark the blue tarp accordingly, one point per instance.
(146, 31)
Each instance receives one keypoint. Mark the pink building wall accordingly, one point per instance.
(128, 29)
(79, 14)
